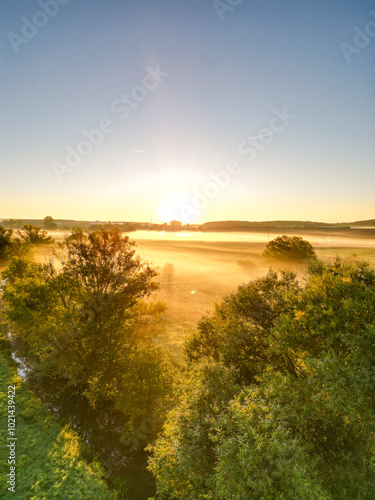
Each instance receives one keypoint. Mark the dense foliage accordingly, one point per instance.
(82, 325)
(278, 400)
(292, 248)
(11, 246)
(5, 241)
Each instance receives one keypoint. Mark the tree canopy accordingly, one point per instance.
(81, 320)
(11, 246)
(292, 248)
(278, 400)
(5, 241)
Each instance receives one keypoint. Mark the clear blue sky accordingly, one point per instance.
(222, 77)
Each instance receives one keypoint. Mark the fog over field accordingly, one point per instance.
(197, 269)
(208, 266)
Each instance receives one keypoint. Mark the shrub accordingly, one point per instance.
(289, 248)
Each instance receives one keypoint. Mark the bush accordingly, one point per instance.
(289, 248)
(34, 235)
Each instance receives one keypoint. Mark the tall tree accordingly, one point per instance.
(81, 320)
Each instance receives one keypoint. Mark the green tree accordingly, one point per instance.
(280, 398)
(34, 235)
(83, 324)
(5, 241)
(240, 332)
(49, 223)
(289, 248)
(10, 247)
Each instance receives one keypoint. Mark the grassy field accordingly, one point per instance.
(199, 269)
(198, 273)
(49, 461)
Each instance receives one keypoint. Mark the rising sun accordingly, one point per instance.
(175, 206)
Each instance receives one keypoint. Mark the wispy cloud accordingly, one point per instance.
(256, 137)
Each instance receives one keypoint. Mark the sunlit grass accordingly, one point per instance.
(49, 455)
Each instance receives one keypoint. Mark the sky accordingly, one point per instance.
(195, 110)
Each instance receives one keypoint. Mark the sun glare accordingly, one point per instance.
(174, 207)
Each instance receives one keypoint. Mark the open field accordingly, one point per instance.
(198, 269)
(204, 268)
